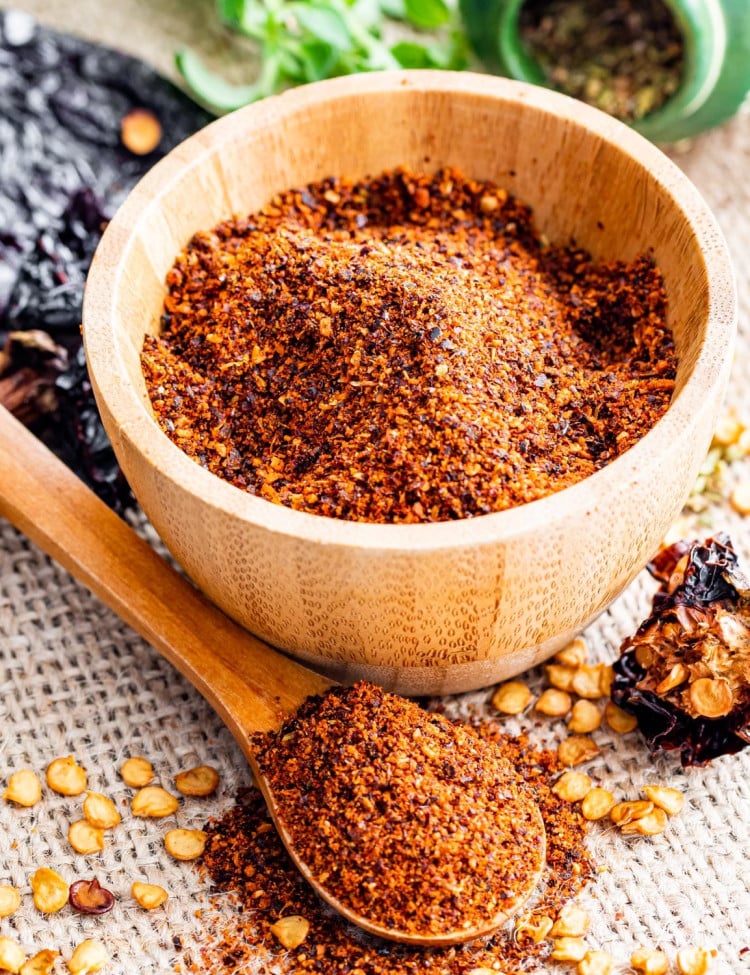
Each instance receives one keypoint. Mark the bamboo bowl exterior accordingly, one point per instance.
(429, 608)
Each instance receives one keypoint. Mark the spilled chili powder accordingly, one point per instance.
(405, 348)
(408, 820)
(255, 883)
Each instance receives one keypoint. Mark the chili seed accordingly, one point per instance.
(649, 961)
(100, 811)
(597, 803)
(572, 786)
(24, 788)
(137, 772)
(576, 750)
(149, 896)
(512, 698)
(90, 956)
(49, 890)
(89, 897)
(585, 717)
(739, 498)
(12, 955)
(618, 720)
(185, 844)
(574, 655)
(41, 963)
(649, 825)
(291, 931)
(154, 802)
(587, 681)
(140, 131)
(560, 677)
(694, 961)
(10, 900)
(66, 776)
(85, 838)
(553, 702)
(595, 963)
(569, 949)
(711, 697)
(200, 781)
(626, 812)
(572, 922)
(670, 800)
(534, 927)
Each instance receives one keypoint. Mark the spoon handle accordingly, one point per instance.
(249, 684)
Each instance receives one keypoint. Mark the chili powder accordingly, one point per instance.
(255, 883)
(405, 348)
(406, 819)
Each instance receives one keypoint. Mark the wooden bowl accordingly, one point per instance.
(436, 607)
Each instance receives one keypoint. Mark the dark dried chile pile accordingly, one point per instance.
(686, 672)
(63, 172)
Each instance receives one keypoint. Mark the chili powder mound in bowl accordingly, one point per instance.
(468, 600)
(416, 824)
(405, 349)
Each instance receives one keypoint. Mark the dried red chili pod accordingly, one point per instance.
(685, 674)
(89, 897)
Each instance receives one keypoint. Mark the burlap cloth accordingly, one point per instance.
(76, 680)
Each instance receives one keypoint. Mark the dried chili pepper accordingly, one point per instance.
(685, 674)
(405, 349)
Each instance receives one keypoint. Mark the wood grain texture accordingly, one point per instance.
(250, 685)
(418, 608)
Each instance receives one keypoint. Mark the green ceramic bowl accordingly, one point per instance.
(717, 60)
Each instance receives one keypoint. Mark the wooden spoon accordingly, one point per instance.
(250, 685)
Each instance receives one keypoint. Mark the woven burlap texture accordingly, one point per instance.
(76, 680)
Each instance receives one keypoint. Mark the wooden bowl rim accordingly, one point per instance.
(603, 487)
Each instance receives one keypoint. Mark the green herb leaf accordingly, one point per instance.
(324, 22)
(427, 14)
(396, 9)
(411, 55)
(210, 88)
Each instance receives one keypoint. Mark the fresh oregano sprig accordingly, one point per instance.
(300, 41)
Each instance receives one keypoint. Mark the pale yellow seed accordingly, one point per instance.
(185, 844)
(49, 890)
(199, 781)
(626, 812)
(137, 772)
(553, 703)
(596, 963)
(149, 896)
(154, 802)
(572, 786)
(650, 961)
(597, 803)
(670, 800)
(41, 963)
(10, 900)
(677, 675)
(606, 676)
(66, 776)
(572, 922)
(85, 838)
(512, 698)
(574, 655)
(569, 949)
(620, 721)
(533, 927)
(711, 697)
(290, 931)
(587, 681)
(739, 498)
(560, 677)
(12, 955)
(24, 788)
(694, 961)
(100, 811)
(90, 956)
(575, 750)
(650, 825)
(585, 717)
(728, 430)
